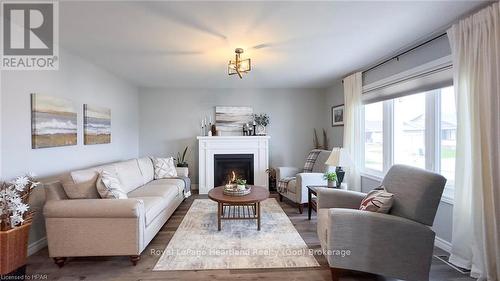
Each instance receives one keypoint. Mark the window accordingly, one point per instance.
(417, 130)
(374, 136)
(409, 130)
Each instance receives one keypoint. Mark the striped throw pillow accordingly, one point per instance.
(378, 200)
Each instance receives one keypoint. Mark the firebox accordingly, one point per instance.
(230, 166)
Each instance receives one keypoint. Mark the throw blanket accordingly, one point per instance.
(308, 167)
(187, 186)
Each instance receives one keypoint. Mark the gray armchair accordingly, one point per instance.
(398, 244)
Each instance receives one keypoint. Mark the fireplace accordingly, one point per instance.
(228, 166)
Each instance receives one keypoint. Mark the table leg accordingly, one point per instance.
(309, 205)
(258, 216)
(219, 214)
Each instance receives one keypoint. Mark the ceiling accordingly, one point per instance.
(291, 44)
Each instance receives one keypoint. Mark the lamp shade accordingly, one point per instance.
(339, 158)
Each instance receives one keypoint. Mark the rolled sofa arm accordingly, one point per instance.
(94, 208)
(338, 198)
(285, 172)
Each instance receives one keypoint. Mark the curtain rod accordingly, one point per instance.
(403, 53)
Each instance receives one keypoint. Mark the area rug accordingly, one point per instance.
(197, 245)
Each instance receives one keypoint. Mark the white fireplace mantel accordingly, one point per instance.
(209, 146)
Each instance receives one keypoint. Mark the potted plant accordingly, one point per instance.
(241, 184)
(15, 222)
(262, 120)
(331, 177)
(181, 160)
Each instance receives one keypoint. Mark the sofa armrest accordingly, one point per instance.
(182, 171)
(338, 198)
(285, 172)
(94, 208)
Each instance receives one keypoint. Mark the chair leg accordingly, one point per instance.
(134, 260)
(336, 273)
(301, 208)
(60, 261)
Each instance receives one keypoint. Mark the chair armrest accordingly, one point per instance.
(182, 171)
(285, 172)
(94, 208)
(338, 198)
(379, 243)
(305, 179)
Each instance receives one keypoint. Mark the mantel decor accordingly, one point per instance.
(15, 222)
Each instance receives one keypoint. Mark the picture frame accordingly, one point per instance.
(337, 115)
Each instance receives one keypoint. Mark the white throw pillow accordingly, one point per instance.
(109, 186)
(164, 168)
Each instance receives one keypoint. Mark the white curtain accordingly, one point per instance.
(352, 128)
(475, 44)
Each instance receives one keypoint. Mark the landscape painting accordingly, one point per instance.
(232, 118)
(97, 124)
(53, 122)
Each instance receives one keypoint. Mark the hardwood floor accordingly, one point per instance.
(120, 268)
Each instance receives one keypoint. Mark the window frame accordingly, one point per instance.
(432, 139)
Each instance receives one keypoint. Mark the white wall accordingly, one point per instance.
(334, 96)
(81, 82)
(170, 120)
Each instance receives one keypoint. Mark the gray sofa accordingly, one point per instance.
(399, 244)
(111, 227)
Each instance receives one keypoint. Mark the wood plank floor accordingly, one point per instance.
(119, 268)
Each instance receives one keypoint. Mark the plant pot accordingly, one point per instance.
(182, 165)
(332, 184)
(13, 248)
(261, 130)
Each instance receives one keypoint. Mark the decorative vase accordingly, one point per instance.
(261, 130)
(332, 184)
(13, 248)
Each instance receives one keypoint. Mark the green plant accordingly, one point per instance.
(261, 119)
(330, 176)
(181, 160)
(241, 182)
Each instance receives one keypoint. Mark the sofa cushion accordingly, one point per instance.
(153, 206)
(164, 168)
(155, 189)
(129, 174)
(85, 175)
(109, 186)
(82, 190)
(147, 169)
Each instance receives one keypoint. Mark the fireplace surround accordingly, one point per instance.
(209, 147)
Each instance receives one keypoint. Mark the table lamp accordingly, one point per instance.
(339, 158)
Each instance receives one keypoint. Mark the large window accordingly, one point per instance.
(417, 130)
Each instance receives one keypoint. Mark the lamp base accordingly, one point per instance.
(340, 176)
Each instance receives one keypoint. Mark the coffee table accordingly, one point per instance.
(246, 207)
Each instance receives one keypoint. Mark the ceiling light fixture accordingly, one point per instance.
(239, 66)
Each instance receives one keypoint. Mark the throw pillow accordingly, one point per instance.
(164, 168)
(83, 190)
(378, 200)
(109, 186)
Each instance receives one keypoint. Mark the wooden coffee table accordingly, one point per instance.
(246, 207)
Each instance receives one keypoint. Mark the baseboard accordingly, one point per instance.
(442, 244)
(37, 246)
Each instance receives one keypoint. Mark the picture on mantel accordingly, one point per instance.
(230, 119)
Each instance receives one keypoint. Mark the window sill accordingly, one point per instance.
(372, 176)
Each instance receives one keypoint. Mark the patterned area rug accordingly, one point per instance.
(197, 245)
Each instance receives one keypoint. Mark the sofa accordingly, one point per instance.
(111, 227)
(398, 244)
(296, 188)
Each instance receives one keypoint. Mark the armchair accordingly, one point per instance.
(398, 244)
(298, 180)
